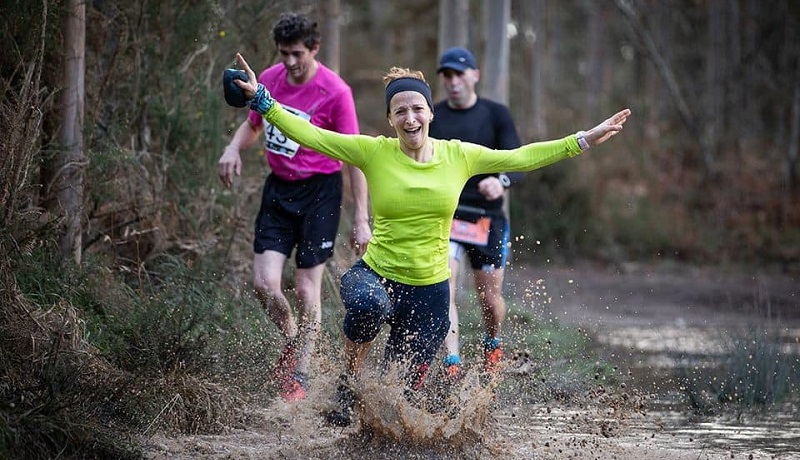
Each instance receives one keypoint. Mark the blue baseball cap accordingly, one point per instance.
(458, 59)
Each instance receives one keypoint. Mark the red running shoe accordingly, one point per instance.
(292, 390)
(418, 376)
(283, 370)
(492, 359)
(454, 372)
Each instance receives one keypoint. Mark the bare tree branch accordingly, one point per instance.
(664, 68)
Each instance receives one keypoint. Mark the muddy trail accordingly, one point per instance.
(644, 321)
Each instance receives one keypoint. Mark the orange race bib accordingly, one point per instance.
(471, 232)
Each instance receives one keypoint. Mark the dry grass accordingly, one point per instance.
(58, 395)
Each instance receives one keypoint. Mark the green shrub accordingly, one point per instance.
(758, 372)
(754, 372)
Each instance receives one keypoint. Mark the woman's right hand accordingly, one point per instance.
(248, 87)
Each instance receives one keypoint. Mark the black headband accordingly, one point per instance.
(408, 84)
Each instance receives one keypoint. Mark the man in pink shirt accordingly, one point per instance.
(302, 195)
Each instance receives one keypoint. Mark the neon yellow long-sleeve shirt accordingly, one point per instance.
(413, 203)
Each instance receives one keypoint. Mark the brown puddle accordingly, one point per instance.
(645, 327)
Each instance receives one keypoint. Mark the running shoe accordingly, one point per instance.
(293, 390)
(492, 358)
(344, 402)
(454, 372)
(418, 376)
(284, 366)
(452, 368)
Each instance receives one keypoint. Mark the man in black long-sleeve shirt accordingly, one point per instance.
(480, 229)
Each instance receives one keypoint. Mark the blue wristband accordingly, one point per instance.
(262, 101)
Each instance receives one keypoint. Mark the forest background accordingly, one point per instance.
(110, 199)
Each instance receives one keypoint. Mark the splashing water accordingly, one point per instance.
(453, 414)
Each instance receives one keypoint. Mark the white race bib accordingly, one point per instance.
(276, 142)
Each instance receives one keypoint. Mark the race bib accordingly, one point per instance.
(276, 142)
(471, 232)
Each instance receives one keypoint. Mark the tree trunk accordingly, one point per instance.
(715, 68)
(67, 184)
(330, 50)
(453, 24)
(649, 82)
(735, 99)
(750, 117)
(533, 34)
(595, 74)
(453, 30)
(379, 17)
(642, 34)
(494, 70)
(794, 137)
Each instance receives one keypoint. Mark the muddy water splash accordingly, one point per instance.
(643, 324)
(439, 422)
(454, 415)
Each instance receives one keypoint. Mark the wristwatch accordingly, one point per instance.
(582, 142)
(505, 181)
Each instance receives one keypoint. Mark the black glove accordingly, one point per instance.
(234, 95)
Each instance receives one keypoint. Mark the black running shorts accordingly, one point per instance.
(491, 256)
(301, 215)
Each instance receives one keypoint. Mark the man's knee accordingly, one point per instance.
(266, 282)
(265, 292)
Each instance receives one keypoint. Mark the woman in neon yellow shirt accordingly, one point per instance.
(414, 183)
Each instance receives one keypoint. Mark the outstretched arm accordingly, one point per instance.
(350, 148)
(540, 154)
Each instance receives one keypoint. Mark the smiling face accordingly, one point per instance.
(411, 117)
(300, 61)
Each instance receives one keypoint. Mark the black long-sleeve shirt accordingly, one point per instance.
(487, 123)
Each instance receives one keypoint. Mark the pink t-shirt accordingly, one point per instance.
(326, 100)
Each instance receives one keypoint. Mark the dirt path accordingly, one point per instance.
(648, 296)
(655, 302)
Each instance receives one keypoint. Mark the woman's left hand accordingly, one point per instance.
(248, 87)
(605, 130)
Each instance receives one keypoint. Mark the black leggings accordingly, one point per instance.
(418, 315)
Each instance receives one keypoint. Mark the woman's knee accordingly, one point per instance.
(366, 304)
